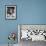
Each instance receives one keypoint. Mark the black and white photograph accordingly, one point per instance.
(10, 12)
(29, 34)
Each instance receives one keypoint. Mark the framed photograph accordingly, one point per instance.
(33, 32)
(10, 12)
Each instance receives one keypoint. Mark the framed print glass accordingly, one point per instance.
(10, 12)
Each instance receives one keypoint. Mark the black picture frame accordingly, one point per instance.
(13, 14)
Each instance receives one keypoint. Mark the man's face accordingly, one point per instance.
(11, 11)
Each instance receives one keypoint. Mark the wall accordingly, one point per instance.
(28, 12)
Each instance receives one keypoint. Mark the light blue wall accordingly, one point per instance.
(28, 12)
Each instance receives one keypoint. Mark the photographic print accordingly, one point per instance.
(32, 32)
(28, 34)
(10, 12)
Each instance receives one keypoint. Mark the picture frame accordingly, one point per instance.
(39, 28)
(10, 12)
